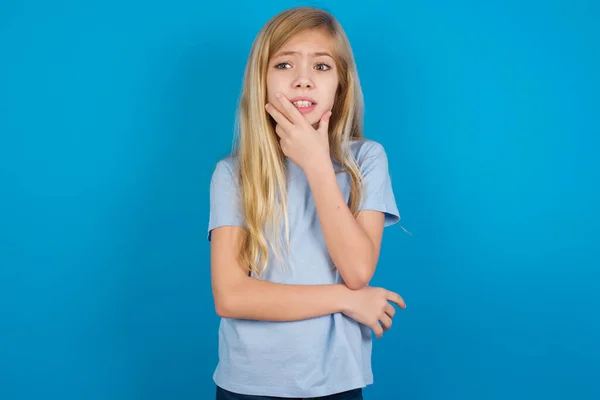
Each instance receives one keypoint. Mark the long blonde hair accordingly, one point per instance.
(261, 162)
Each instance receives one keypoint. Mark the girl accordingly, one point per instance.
(297, 213)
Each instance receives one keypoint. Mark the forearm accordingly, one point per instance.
(350, 248)
(261, 300)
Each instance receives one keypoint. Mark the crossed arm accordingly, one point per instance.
(237, 295)
(353, 244)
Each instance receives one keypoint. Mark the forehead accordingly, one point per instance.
(309, 41)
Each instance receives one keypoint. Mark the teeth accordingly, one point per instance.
(303, 103)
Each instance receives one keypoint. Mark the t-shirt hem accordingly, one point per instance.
(287, 392)
(391, 216)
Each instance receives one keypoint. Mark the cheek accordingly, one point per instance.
(330, 93)
(273, 86)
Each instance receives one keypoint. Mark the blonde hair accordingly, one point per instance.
(261, 162)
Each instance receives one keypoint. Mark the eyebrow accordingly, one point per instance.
(290, 53)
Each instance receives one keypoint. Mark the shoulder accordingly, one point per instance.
(225, 173)
(366, 150)
(225, 168)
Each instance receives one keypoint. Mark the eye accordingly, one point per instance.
(322, 67)
(283, 65)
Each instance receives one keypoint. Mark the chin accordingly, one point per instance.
(314, 117)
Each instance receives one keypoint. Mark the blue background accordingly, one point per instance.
(114, 113)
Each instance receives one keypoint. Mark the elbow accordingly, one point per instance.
(359, 271)
(356, 284)
(223, 306)
(359, 280)
(227, 298)
(221, 310)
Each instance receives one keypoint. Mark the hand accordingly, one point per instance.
(370, 305)
(299, 141)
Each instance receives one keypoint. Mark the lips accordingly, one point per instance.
(303, 101)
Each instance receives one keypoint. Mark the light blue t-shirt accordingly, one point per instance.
(313, 357)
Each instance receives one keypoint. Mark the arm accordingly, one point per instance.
(353, 243)
(237, 295)
(241, 297)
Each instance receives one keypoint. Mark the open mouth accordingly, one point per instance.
(304, 103)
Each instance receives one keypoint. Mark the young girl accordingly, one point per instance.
(296, 220)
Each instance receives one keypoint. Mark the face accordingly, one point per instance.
(305, 72)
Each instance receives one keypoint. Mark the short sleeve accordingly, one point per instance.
(225, 209)
(378, 193)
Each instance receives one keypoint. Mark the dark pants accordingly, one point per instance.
(223, 394)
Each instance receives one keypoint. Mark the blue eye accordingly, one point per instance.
(278, 66)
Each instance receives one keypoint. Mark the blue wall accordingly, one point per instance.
(113, 114)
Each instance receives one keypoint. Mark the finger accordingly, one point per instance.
(324, 123)
(395, 297)
(386, 322)
(390, 310)
(280, 131)
(278, 116)
(289, 109)
(378, 330)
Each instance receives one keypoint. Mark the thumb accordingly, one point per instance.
(324, 123)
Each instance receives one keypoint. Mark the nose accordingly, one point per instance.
(303, 83)
(303, 79)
